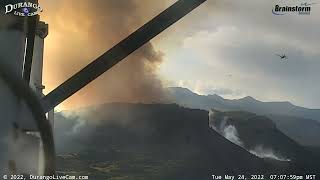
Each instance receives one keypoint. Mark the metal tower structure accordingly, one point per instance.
(23, 143)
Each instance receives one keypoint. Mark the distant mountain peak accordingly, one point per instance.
(248, 98)
(215, 96)
(180, 89)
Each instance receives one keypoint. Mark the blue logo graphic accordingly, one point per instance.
(26, 11)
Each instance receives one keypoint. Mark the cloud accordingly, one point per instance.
(208, 88)
(241, 38)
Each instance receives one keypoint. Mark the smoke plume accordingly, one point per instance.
(262, 152)
(82, 30)
(220, 124)
(231, 133)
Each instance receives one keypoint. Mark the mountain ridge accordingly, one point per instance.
(272, 107)
(289, 118)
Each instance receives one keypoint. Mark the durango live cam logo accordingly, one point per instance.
(23, 9)
(300, 9)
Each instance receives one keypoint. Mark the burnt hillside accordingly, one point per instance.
(151, 141)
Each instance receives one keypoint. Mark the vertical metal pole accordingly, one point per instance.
(32, 23)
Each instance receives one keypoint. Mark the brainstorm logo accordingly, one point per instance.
(23, 9)
(302, 9)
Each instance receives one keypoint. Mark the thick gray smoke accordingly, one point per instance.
(262, 152)
(80, 31)
(230, 132)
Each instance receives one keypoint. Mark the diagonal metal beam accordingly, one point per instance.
(119, 52)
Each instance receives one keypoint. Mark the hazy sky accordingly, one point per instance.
(228, 47)
(225, 47)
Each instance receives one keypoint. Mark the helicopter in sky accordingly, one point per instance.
(283, 56)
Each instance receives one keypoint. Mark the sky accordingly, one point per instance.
(223, 47)
(229, 49)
